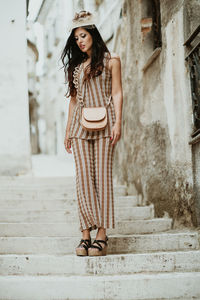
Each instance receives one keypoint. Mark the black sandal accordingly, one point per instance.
(82, 248)
(101, 250)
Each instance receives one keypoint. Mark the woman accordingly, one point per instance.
(93, 76)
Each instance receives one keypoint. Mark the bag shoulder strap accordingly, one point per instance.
(76, 75)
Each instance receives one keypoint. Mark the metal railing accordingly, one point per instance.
(193, 59)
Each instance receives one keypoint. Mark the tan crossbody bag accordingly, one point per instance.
(94, 118)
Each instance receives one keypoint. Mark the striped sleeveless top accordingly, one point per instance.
(94, 92)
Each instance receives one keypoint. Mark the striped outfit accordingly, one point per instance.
(93, 153)
(94, 92)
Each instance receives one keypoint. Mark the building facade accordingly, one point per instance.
(33, 93)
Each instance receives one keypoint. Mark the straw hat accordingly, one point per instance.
(83, 18)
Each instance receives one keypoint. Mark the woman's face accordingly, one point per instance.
(83, 39)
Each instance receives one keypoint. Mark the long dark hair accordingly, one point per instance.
(75, 57)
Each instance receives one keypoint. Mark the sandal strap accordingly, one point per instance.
(98, 243)
(95, 246)
(102, 241)
(85, 243)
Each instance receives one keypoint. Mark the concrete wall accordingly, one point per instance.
(14, 122)
(154, 156)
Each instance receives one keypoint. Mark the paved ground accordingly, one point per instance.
(52, 165)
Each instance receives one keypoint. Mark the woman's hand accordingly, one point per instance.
(67, 143)
(115, 133)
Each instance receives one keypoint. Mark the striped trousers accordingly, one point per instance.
(94, 182)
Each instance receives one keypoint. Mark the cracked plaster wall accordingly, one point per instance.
(153, 156)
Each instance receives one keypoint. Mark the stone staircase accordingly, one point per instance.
(39, 231)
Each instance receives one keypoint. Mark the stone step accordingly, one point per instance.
(69, 215)
(25, 181)
(141, 226)
(48, 192)
(180, 261)
(52, 204)
(37, 194)
(172, 285)
(118, 244)
(72, 229)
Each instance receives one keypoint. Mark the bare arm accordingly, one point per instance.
(67, 141)
(117, 95)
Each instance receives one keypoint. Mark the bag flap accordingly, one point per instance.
(94, 113)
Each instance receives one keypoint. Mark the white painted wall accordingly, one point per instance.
(15, 156)
(177, 98)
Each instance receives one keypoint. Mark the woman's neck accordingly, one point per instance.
(89, 53)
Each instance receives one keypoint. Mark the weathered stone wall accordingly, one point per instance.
(153, 156)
